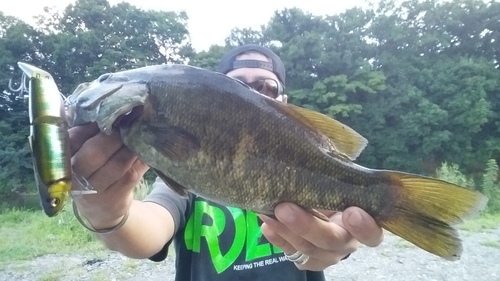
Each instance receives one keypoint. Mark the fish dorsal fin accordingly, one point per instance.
(345, 139)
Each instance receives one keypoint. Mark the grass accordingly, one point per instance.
(52, 275)
(484, 222)
(27, 234)
(492, 244)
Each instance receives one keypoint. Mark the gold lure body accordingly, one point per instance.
(49, 140)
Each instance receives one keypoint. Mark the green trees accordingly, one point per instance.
(87, 39)
(419, 79)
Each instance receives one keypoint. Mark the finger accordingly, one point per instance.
(315, 263)
(131, 178)
(94, 153)
(79, 135)
(322, 234)
(115, 168)
(136, 173)
(124, 186)
(279, 235)
(273, 237)
(362, 227)
(115, 200)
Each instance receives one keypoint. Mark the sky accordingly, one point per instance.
(210, 22)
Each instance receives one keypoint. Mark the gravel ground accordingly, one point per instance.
(395, 259)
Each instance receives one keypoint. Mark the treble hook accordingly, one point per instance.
(23, 88)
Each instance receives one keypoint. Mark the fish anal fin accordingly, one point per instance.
(313, 212)
(427, 233)
(318, 214)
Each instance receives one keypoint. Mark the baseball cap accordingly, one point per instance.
(229, 62)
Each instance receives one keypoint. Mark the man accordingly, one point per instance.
(212, 242)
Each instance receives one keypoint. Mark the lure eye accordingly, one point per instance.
(54, 202)
(103, 77)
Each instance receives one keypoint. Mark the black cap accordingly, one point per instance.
(229, 63)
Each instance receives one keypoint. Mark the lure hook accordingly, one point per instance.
(23, 86)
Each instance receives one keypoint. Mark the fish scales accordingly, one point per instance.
(239, 162)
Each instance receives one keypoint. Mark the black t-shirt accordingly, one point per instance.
(214, 242)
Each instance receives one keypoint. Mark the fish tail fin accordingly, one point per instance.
(427, 208)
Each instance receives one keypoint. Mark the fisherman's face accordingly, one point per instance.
(256, 77)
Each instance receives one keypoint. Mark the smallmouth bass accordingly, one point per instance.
(214, 136)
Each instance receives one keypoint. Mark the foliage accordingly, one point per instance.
(451, 173)
(419, 79)
(491, 186)
(488, 184)
(75, 46)
(15, 162)
(209, 59)
(485, 222)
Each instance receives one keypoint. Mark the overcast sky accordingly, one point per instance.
(210, 22)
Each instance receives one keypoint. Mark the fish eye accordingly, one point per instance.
(103, 77)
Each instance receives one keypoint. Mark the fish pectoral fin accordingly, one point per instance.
(174, 142)
(345, 139)
(175, 186)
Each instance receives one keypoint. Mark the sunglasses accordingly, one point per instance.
(268, 87)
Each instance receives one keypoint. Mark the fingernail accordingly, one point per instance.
(355, 219)
(285, 213)
(264, 218)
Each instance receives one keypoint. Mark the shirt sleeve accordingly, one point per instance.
(177, 205)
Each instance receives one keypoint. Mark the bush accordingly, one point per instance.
(491, 186)
(451, 173)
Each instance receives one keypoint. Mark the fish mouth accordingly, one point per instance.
(127, 120)
(122, 110)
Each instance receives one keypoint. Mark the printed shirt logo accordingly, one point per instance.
(247, 234)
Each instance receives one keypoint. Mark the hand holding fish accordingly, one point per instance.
(324, 243)
(110, 168)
